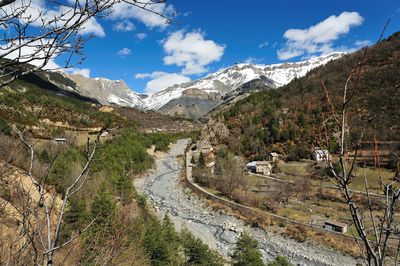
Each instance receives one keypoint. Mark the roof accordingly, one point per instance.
(59, 139)
(321, 151)
(336, 223)
(251, 164)
(262, 162)
(273, 154)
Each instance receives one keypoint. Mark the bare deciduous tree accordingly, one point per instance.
(32, 36)
(41, 210)
(376, 227)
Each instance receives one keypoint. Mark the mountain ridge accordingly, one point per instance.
(195, 98)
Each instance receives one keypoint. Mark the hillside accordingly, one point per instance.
(46, 108)
(296, 117)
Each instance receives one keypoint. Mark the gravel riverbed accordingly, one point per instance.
(219, 230)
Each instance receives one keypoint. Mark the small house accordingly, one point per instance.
(273, 156)
(263, 167)
(335, 226)
(60, 140)
(320, 155)
(259, 167)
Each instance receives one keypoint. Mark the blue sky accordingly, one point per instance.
(208, 35)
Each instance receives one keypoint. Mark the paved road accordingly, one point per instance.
(216, 228)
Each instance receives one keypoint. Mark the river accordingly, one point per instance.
(216, 228)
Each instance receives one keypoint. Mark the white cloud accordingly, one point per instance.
(263, 44)
(124, 52)
(39, 14)
(141, 36)
(250, 60)
(30, 51)
(128, 11)
(362, 43)
(191, 51)
(79, 71)
(124, 26)
(161, 80)
(318, 39)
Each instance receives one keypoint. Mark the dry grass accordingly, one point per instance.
(302, 234)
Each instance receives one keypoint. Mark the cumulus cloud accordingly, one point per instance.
(141, 36)
(39, 13)
(124, 10)
(124, 52)
(161, 80)
(319, 38)
(124, 26)
(191, 51)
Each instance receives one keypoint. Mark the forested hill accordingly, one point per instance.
(296, 117)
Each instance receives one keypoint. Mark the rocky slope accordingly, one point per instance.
(114, 92)
(196, 98)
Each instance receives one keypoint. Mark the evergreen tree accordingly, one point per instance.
(76, 215)
(198, 253)
(103, 208)
(103, 211)
(124, 188)
(162, 244)
(246, 252)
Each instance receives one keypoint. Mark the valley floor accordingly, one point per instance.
(216, 228)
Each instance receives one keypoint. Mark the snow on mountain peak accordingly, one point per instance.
(233, 77)
(223, 81)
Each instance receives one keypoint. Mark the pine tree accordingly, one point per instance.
(124, 188)
(198, 253)
(103, 208)
(76, 215)
(103, 212)
(162, 244)
(246, 252)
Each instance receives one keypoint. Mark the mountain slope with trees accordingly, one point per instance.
(298, 116)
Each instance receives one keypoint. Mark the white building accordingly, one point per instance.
(259, 167)
(320, 155)
(335, 226)
(60, 140)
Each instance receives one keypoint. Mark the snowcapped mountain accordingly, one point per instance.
(200, 96)
(106, 91)
(232, 78)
